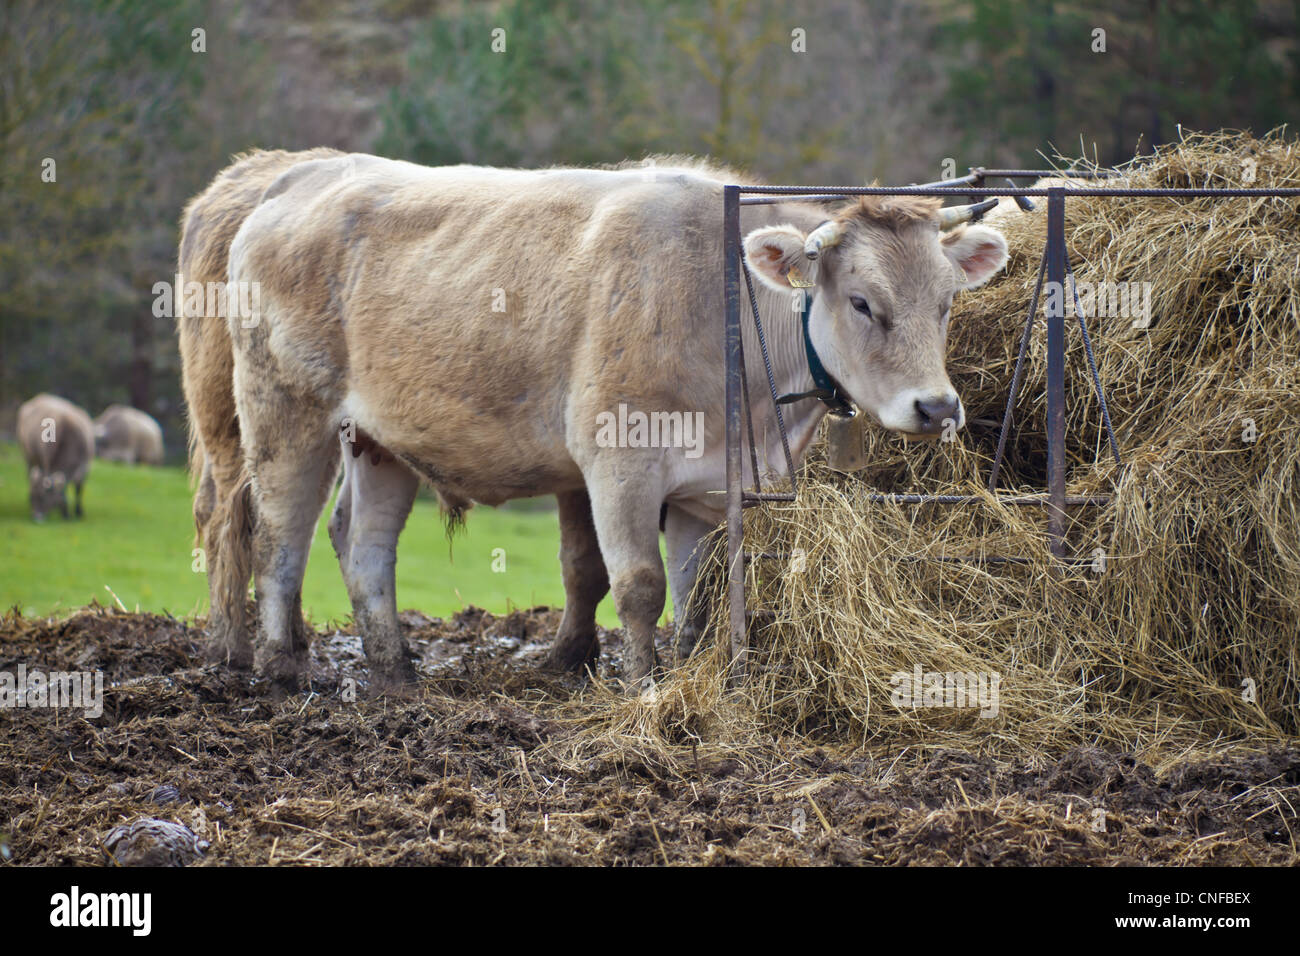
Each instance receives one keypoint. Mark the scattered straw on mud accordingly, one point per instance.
(461, 773)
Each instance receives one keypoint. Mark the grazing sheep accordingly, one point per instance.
(128, 435)
(58, 442)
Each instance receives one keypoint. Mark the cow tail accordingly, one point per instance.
(235, 568)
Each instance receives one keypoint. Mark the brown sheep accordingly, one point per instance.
(58, 442)
(128, 435)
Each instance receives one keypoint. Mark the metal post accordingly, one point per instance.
(735, 467)
(1055, 312)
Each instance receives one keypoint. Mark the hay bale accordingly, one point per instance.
(1200, 590)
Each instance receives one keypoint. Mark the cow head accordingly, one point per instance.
(885, 269)
(46, 492)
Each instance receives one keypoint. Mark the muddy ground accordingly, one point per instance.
(491, 762)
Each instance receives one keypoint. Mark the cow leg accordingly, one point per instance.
(79, 512)
(626, 515)
(683, 533)
(291, 484)
(585, 584)
(371, 511)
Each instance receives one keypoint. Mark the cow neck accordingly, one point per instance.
(788, 346)
(825, 389)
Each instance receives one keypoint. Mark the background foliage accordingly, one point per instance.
(137, 121)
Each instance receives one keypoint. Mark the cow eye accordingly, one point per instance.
(860, 304)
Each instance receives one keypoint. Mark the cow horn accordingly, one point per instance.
(951, 216)
(823, 237)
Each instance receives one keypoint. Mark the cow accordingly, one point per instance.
(222, 512)
(1008, 207)
(508, 333)
(58, 443)
(128, 435)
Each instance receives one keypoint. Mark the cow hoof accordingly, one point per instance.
(398, 680)
(688, 639)
(574, 657)
(280, 690)
(232, 653)
(640, 671)
(282, 670)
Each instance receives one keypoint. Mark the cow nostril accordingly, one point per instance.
(934, 413)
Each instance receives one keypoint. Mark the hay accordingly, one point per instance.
(1200, 590)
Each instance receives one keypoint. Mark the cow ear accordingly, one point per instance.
(773, 253)
(978, 251)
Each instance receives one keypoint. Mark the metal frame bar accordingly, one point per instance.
(1056, 374)
(735, 461)
(820, 193)
(974, 178)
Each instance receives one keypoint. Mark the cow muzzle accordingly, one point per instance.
(924, 415)
(936, 414)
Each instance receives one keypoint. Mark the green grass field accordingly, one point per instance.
(137, 539)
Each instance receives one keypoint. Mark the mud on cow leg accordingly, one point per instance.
(372, 508)
(292, 478)
(625, 507)
(639, 598)
(585, 584)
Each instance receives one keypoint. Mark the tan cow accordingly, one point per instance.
(1008, 209)
(222, 515)
(509, 333)
(58, 443)
(128, 435)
